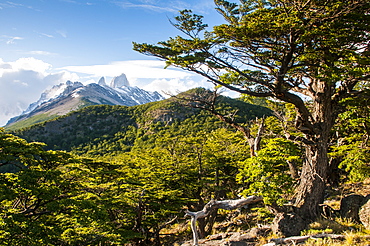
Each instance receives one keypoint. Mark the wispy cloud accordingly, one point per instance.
(76, 2)
(62, 33)
(146, 69)
(46, 35)
(41, 52)
(173, 6)
(10, 4)
(69, 1)
(148, 5)
(10, 39)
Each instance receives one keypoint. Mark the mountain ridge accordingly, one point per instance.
(70, 96)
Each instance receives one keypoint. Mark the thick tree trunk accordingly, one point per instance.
(310, 192)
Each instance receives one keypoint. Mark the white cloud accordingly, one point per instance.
(69, 1)
(29, 64)
(11, 40)
(146, 74)
(149, 75)
(173, 6)
(23, 81)
(10, 4)
(175, 85)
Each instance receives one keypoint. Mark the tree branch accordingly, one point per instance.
(212, 205)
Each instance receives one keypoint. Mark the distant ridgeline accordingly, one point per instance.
(102, 129)
(70, 96)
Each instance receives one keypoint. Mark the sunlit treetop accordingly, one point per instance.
(269, 48)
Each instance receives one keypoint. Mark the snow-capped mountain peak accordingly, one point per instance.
(53, 93)
(69, 96)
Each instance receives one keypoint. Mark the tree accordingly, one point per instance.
(55, 198)
(308, 53)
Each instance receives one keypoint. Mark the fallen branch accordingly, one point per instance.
(225, 204)
(301, 239)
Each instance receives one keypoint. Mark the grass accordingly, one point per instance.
(30, 121)
(355, 234)
(351, 239)
(337, 226)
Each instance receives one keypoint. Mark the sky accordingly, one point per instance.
(47, 42)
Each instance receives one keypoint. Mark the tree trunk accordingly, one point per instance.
(310, 192)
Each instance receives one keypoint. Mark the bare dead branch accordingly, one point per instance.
(212, 205)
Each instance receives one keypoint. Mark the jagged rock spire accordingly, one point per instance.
(101, 82)
(119, 81)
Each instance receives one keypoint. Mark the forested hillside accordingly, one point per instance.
(104, 128)
(131, 172)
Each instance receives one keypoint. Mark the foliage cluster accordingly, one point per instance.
(57, 198)
(352, 146)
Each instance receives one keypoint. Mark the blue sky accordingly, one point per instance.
(46, 42)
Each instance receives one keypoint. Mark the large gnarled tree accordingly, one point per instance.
(310, 53)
